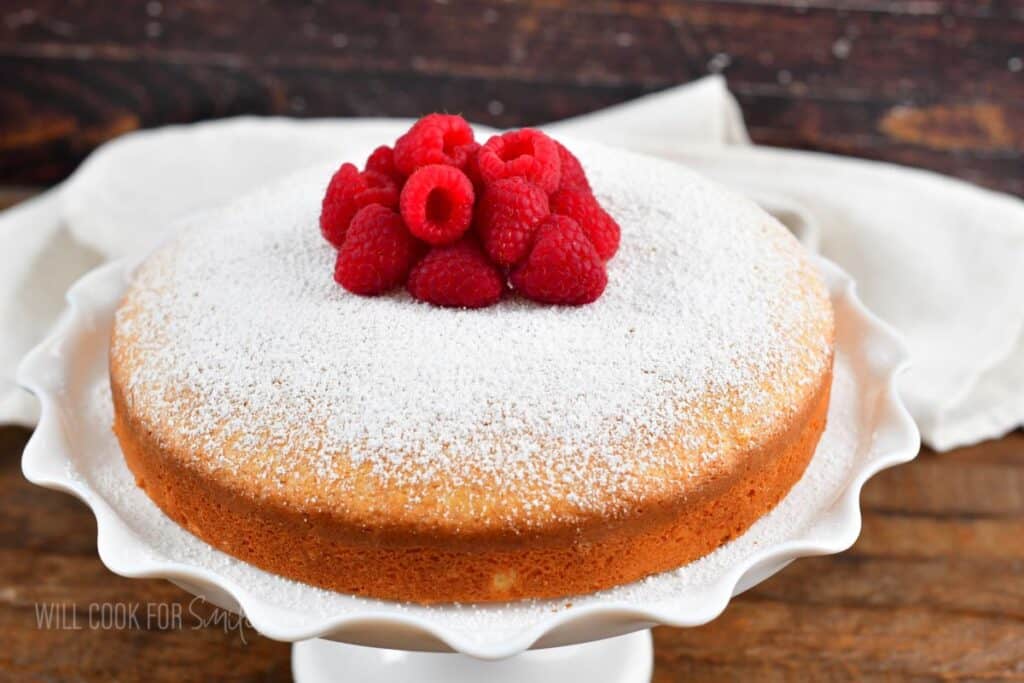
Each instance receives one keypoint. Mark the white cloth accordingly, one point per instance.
(939, 259)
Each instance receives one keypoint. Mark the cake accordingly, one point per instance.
(385, 447)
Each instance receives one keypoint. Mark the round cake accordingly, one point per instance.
(390, 448)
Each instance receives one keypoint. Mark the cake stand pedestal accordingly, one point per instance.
(625, 659)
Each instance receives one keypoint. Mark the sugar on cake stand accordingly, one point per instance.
(74, 450)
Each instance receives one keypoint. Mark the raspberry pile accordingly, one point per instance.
(460, 224)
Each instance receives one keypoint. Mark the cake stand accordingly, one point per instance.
(600, 637)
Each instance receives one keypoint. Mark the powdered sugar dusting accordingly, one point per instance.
(713, 329)
(807, 512)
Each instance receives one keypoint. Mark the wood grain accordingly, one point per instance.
(927, 82)
(933, 590)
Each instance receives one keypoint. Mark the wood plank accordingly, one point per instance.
(107, 102)
(931, 84)
(937, 584)
(652, 44)
(783, 641)
(94, 653)
(967, 8)
(951, 485)
(912, 538)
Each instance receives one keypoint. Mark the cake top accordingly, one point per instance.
(244, 356)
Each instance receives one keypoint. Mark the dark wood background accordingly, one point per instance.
(933, 590)
(935, 83)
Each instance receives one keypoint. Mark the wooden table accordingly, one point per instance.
(934, 588)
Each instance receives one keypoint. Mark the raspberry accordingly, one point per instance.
(563, 267)
(537, 226)
(507, 217)
(599, 227)
(525, 153)
(573, 175)
(457, 275)
(377, 253)
(437, 203)
(466, 158)
(383, 161)
(434, 139)
(381, 187)
(349, 191)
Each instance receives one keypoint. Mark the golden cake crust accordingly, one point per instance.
(386, 448)
(425, 565)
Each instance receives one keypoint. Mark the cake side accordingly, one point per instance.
(421, 565)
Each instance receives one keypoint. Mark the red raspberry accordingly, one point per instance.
(437, 203)
(434, 139)
(508, 216)
(377, 253)
(573, 175)
(349, 191)
(381, 187)
(457, 275)
(466, 158)
(563, 267)
(525, 153)
(599, 227)
(382, 160)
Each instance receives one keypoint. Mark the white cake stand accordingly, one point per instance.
(601, 637)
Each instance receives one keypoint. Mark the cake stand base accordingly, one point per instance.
(626, 659)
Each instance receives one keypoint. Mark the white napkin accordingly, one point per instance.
(939, 259)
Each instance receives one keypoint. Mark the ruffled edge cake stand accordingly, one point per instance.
(73, 450)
